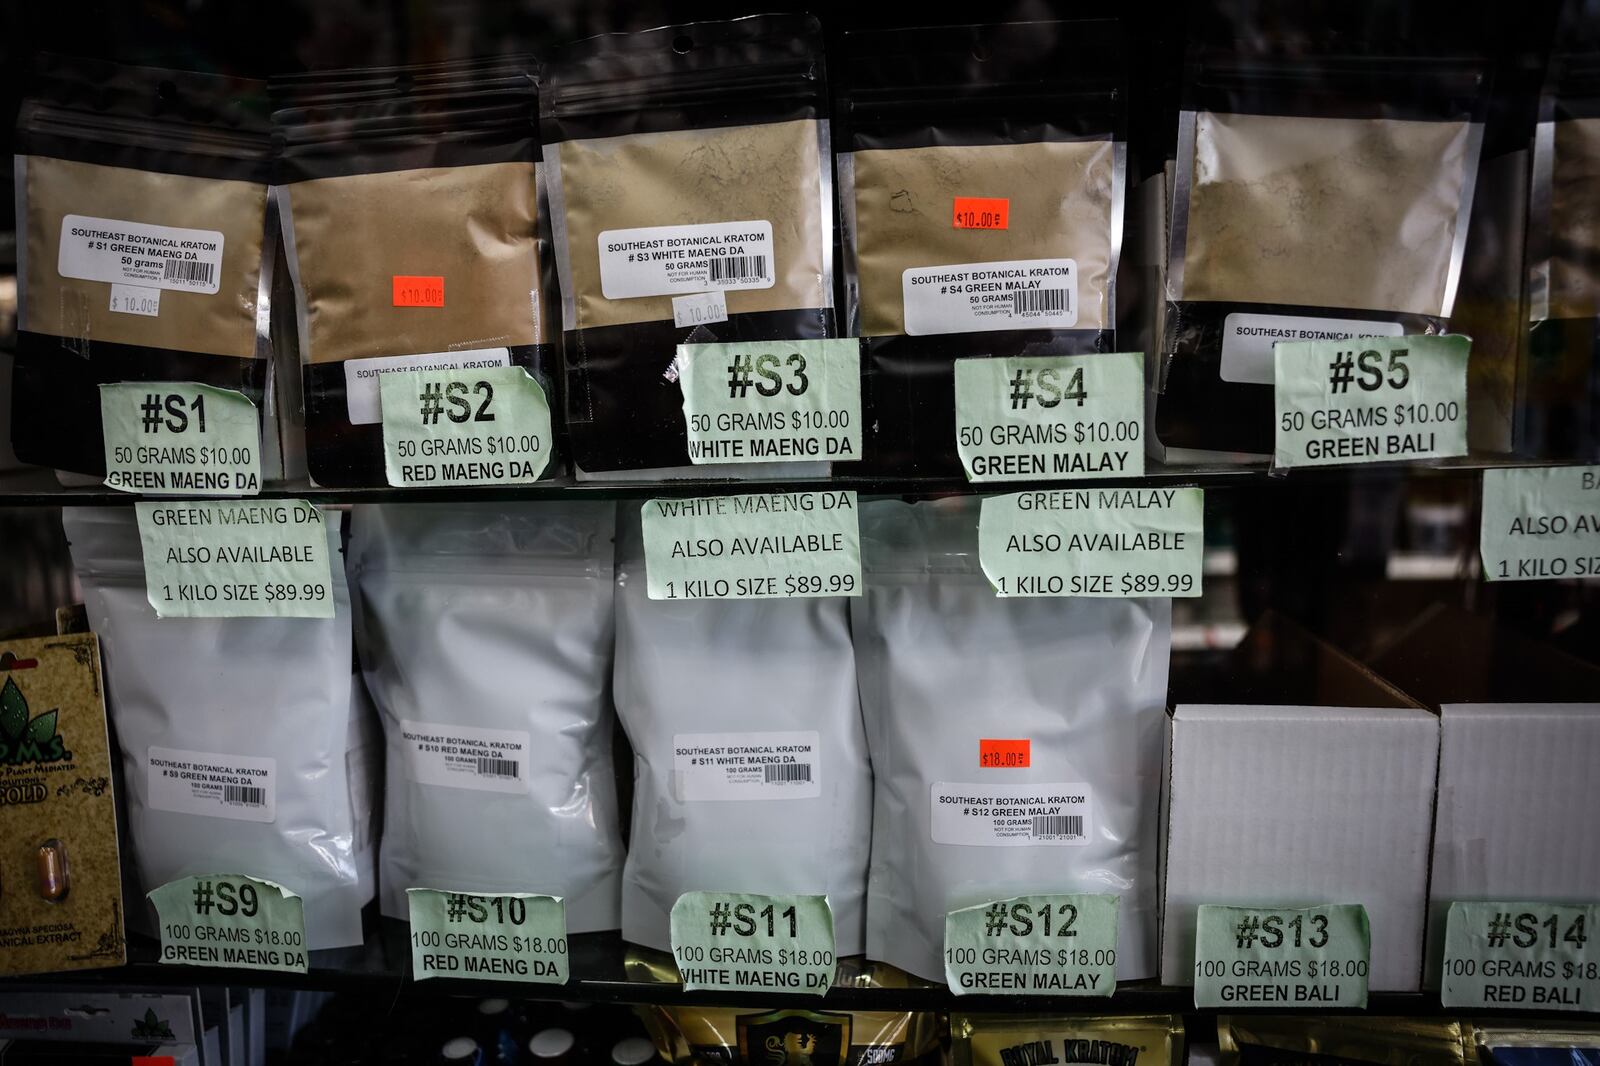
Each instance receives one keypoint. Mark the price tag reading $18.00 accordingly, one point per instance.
(231, 920)
(1094, 542)
(1284, 957)
(1528, 956)
(1541, 523)
(1370, 400)
(1047, 945)
(479, 426)
(772, 401)
(510, 936)
(739, 942)
(1051, 417)
(762, 546)
(235, 559)
(180, 437)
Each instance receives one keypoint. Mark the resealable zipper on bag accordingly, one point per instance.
(683, 160)
(144, 251)
(981, 179)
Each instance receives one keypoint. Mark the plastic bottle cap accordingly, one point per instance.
(462, 1047)
(493, 1006)
(551, 1043)
(634, 1051)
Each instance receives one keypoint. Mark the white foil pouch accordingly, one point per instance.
(750, 764)
(946, 668)
(485, 636)
(234, 732)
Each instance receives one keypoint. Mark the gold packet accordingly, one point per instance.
(1281, 1040)
(1043, 1040)
(60, 874)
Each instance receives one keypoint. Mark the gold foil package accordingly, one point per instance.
(1042, 1040)
(1282, 1040)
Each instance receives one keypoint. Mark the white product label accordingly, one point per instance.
(241, 787)
(676, 260)
(701, 309)
(462, 756)
(134, 253)
(983, 297)
(135, 300)
(361, 375)
(1247, 340)
(1011, 815)
(747, 766)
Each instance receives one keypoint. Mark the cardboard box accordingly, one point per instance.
(1313, 784)
(1520, 738)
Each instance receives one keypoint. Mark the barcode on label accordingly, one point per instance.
(795, 773)
(190, 270)
(1058, 825)
(1056, 301)
(739, 268)
(498, 767)
(244, 794)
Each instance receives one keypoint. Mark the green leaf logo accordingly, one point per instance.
(42, 728)
(14, 712)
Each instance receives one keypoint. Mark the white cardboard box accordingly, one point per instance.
(1300, 805)
(1516, 816)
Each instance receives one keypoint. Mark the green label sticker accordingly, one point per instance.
(1284, 957)
(1051, 417)
(772, 401)
(1370, 400)
(1094, 542)
(231, 920)
(1541, 523)
(180, 437)
(511, 936)
(740, 942)
(1063, 945)
(477, 426)
(214, 559)
(1527, 956)
(753, 547)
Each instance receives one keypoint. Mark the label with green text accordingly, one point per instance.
(772, 401)
(1041, 418)
(511, 936)
(741, 942)
(1051, 945)
(779, 545)
(231, 920)
(180, 437)
(1283, 957)
(1541, 523)
(1526, 956)
(1094, 542)
(226, 559)
(1370, 399)
(479, 426)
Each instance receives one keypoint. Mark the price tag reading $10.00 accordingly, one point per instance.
(772, 401)
(1282, 957)
(512, 936)
(180, 438)
(1048, 945)
(740, 942)
(233, 921)
(1527, 956)
(478, 426)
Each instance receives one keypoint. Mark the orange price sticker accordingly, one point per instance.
(1005, 754)
(982, 212)
(154, 1060)
(414, 291)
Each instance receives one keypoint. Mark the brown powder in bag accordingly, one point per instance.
(1324, 212)
(1060, 195)
(768, 172)
(474, 226)
(220, 323)
(1575, 219)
